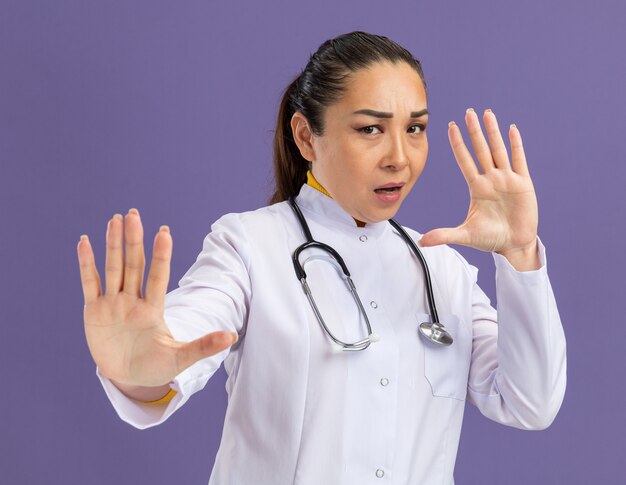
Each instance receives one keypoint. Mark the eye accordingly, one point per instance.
(369, 130)
(417, 128)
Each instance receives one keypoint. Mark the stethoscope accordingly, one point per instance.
(434, 331)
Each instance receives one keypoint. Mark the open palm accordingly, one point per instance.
(126, 332)
(503, 213)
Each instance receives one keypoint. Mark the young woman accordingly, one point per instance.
(331, 384)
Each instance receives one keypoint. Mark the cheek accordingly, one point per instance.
(419, 162)
(422, 146)
(423, 152)
(348, 159)
(420, 152)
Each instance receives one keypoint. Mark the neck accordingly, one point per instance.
(312, 181)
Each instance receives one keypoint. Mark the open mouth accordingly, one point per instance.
(388, 190)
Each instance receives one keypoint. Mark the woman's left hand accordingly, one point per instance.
(503, 214)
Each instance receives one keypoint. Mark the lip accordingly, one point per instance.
(391, 184)
(390, 197)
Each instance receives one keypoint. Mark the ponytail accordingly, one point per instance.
(290, 167)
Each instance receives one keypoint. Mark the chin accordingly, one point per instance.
(383, 215)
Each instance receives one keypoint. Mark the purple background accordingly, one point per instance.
(170, 106)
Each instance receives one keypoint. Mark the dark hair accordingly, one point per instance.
(319, 85)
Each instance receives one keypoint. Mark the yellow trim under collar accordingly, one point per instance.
(165, 399)
(312, 181)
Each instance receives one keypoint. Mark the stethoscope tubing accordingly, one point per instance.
(433, 331)
(429, 287)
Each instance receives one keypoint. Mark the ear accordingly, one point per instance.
(303, 136)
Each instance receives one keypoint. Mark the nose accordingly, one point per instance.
(398, 157)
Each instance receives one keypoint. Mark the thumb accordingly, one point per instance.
(444, 235)
(203, 347)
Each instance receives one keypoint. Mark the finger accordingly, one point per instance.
(206, 346)
(498, 148)
(159, 275)
(114, 266)
(518, 158)
(89, 277)
(135, 259)
(444, 235)
(461, 153)
(481, 148)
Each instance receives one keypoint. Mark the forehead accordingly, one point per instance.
(385, 86)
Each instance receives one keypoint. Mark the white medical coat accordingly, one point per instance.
(301, 412)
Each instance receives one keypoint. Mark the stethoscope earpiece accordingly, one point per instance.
(374, 337)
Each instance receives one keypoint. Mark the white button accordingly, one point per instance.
(373, 304)
(380, 473)
(384, 381)
(363, 238)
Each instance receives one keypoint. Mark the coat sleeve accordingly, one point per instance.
(518, 369)
(214, 294)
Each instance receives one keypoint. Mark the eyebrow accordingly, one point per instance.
(383, 114)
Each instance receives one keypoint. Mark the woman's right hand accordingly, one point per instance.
(126, 333)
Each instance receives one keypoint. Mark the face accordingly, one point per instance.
(374, 146)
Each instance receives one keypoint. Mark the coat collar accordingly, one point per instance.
(325, 210)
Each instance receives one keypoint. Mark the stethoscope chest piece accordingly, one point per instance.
(435, 333)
